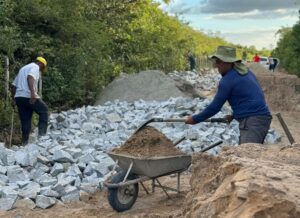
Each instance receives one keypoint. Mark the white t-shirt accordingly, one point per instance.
(21, 84)
(271, 61)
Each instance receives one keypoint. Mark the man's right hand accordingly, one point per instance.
(189, 120)
(32, 99)
(229, 118)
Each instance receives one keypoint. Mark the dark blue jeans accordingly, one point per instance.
(25, 113)
(254, 129)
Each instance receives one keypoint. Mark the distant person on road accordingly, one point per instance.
(192, 61)
(24, 92)
(271, 63)
(241, 89)
(256, 58)
(275, 63)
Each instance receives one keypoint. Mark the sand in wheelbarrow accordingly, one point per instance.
(148, 142)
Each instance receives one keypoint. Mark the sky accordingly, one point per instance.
(244, 22)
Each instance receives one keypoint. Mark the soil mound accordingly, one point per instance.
(148, 142)
(246, 181)
(146, 85)
(282, 91)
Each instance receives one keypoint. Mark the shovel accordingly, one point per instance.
(152, 120)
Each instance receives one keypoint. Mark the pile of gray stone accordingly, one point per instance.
(205, 81)
(146, 85)
(71, 161)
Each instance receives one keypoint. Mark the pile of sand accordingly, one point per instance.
(148, 142)
(246, 181)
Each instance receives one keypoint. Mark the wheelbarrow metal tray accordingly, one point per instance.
(152, 166)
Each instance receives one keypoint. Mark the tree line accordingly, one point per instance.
(89, 43)
(288, 48)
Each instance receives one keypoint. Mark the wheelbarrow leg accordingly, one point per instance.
(178, 183)
(153, 185)
(156, 183)
(145, 189)
(163, 188)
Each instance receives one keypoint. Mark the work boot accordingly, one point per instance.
(25, 138)
(42, 129)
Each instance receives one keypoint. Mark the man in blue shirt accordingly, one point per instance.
(241, 89)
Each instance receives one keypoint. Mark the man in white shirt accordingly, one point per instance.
(24, 92)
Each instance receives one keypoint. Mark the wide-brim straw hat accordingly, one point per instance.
(225, 54)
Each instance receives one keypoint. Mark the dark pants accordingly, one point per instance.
(192, 65)
(254, 129)
(25, 113)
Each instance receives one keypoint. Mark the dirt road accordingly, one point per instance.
(292, 120)
(155, 205)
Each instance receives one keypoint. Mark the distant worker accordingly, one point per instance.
(256, 58)
(24, 92)
(271, 63)
(241, 89)
(192, 61)
(275, 63)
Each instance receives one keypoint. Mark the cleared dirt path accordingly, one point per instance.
(155, 205)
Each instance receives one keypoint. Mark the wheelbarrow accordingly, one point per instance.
(123, 187)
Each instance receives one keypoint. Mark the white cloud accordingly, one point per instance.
(259, 37)
(240, 6)
(268, 16)
(256, 14)
(272, 8)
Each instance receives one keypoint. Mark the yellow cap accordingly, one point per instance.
(42, 60)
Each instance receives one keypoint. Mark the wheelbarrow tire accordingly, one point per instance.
(118, 198)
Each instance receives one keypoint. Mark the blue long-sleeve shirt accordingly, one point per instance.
(243, 93)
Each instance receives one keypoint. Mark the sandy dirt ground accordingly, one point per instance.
(155, 204)
(292, 120)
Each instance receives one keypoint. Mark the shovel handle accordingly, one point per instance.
(169, 120)
(217, 120)
(212, 120)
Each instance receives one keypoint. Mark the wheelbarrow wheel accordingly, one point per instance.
(122, 198)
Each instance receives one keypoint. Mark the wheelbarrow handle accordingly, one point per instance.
(211, 146)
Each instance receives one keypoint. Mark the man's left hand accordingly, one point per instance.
(13, 102)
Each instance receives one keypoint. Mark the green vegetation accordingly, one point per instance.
(88, 43)
(288, 48)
